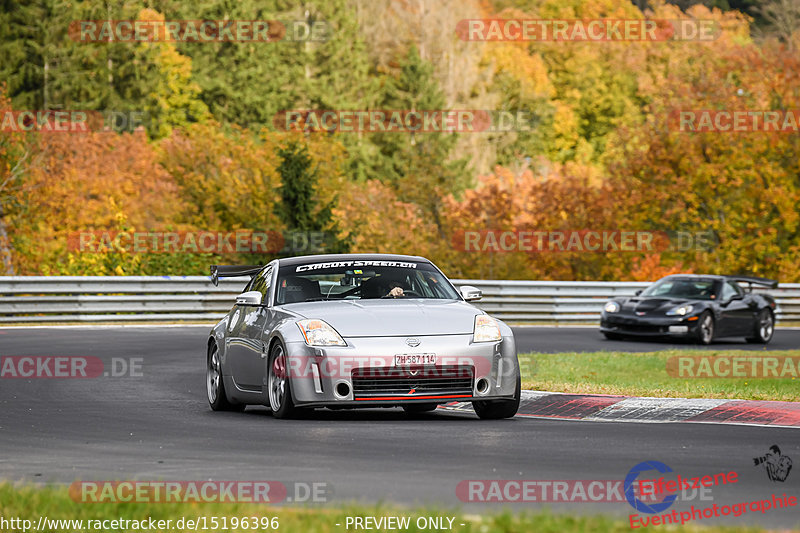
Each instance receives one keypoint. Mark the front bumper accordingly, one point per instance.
(362, 374)
(649, 326)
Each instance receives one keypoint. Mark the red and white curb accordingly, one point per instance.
(606, 408)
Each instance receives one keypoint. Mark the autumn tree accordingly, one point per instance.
(18, 152)
(420, 167)
(301, 207)
(85, 183)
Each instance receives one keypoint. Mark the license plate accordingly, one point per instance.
(678, 329)
(406, 359)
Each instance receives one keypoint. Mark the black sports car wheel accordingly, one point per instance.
(705, 328)
(215, 386)
(278, 384)
(764, 328)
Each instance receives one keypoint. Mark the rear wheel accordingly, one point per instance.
(215, 385)
(763, 329)
(415, 408)
(495, 409)
(279, 384)
(705, 328)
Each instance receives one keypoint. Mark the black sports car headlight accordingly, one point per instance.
(681, 310)
(611, 307)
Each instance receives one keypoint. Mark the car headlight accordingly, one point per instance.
(611, 307)
(486, 329)
(320, 333)
(681, 310)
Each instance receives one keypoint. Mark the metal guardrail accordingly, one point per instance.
(41, 299)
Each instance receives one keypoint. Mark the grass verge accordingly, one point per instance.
(645, 374)
(30, 503)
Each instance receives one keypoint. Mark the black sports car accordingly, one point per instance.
(698, 307)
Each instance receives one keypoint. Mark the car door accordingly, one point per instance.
(735, 311)
(245, 348)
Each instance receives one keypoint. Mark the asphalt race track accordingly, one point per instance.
(157, 426)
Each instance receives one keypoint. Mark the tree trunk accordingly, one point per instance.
(5, 246)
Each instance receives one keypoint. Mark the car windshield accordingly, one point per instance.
(694, 289)
(361, 279)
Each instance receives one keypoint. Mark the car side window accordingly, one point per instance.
(664, 288)
(261, 283)
(729, 290)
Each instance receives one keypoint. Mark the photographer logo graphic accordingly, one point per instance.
(630, 485)
(778, 466)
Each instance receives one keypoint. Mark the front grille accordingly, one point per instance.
(381, 382)
(633, 325)
(644, 328)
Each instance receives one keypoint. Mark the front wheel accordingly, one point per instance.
(215, 385)
(613, 336)
(496, 409)
(763, 328)
(705, 328)
(279, 384)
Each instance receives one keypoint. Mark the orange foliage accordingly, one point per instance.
(90, 181)
(650, 268)
(374, 220)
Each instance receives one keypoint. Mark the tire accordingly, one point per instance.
(215, 385)
(763, 329)
(705, 328)
(417, 408)
(613, 336)
(496, 409)
(279, 388)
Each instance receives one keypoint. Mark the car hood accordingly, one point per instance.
(655, 305)
(389, 317)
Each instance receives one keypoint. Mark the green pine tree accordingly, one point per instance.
(300, 208)
(419, 166)
(244, 83)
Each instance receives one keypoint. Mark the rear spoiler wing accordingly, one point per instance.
(752, 280)
(232, 271)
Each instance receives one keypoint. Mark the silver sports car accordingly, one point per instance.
(358, 330)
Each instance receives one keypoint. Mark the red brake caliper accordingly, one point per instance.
(279, 367)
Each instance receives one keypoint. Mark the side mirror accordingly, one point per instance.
(249, 298)
(470, 293)
(637, 293)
